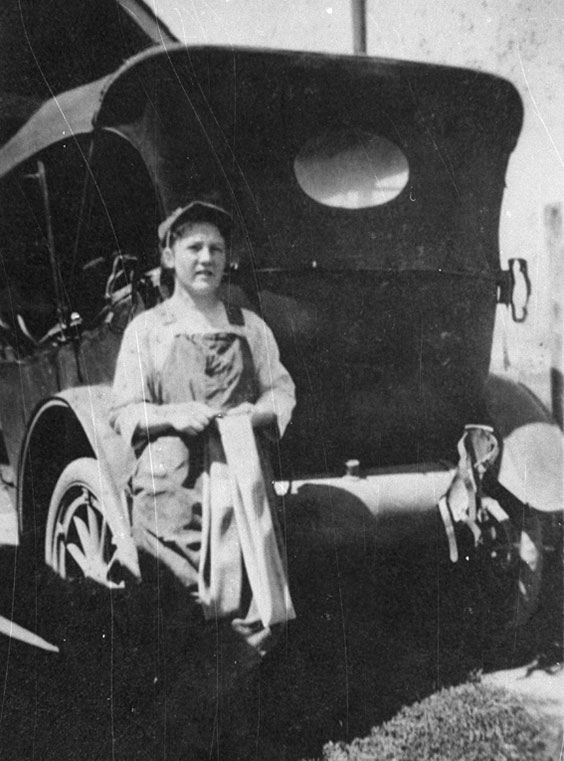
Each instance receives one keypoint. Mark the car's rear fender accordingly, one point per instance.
(533, 445)
(68, 426)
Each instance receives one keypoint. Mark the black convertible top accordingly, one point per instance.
(234, 120)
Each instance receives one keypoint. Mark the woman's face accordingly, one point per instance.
(198, 259)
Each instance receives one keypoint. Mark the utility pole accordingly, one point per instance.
(358, 8)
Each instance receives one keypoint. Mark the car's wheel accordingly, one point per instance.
(78, 538)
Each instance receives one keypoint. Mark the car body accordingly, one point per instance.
(366, 194)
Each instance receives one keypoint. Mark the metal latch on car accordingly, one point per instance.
(514, 288)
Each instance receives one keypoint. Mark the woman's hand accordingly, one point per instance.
(189, 418)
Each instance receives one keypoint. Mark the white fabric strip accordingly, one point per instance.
(449, 529)
(255, 525)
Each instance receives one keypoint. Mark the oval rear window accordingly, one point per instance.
(351, 169)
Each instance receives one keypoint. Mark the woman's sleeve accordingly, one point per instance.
(132, 407)
(276, 387)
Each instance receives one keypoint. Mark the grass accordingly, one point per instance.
(472, 722)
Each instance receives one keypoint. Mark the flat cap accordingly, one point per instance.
(198, 210)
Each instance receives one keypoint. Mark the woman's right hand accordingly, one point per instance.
(189, 418)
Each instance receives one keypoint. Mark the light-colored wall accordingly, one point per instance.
(318, 25)
(521, 40)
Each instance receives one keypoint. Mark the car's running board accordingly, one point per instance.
(11, 629)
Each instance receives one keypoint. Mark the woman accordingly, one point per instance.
(194, 376)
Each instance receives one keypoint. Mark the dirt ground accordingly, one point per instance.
(542, 691)
(373, 633)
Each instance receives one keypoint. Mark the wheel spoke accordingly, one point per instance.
(79, 558)
(94, 567)
(85, 539)
(103, 535)
(93, 524)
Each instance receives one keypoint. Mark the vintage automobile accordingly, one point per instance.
(367, 195)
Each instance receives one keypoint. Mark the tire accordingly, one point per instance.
(78, 538)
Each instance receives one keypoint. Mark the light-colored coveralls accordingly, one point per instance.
(183, 517)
